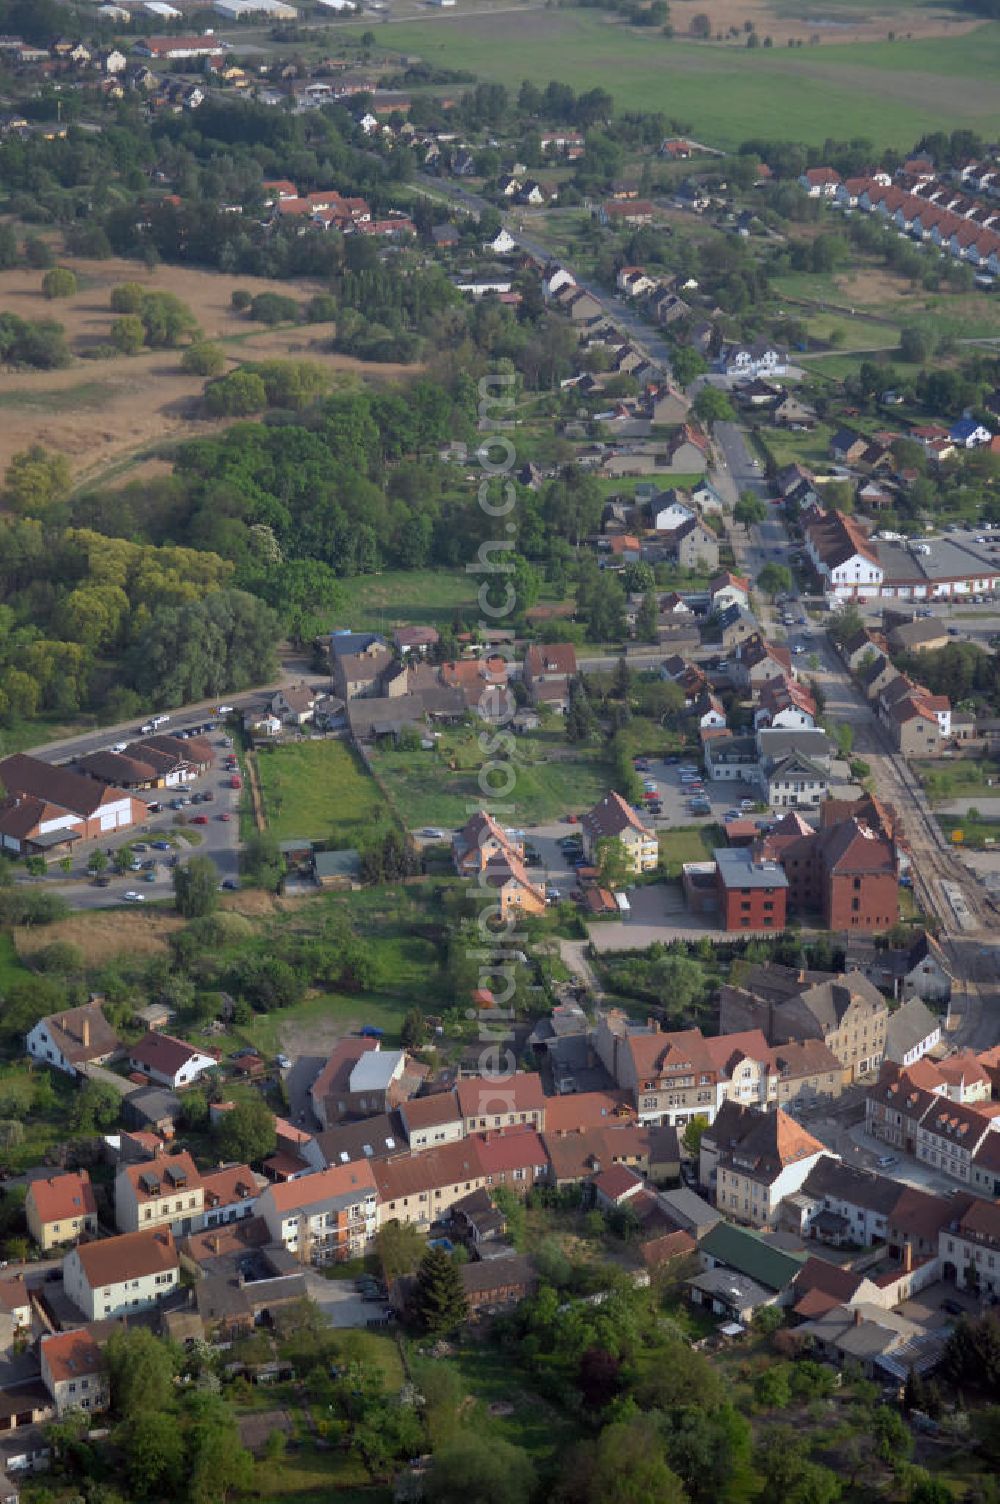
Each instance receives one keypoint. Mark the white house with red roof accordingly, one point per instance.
(168, 1061)
(820, 182)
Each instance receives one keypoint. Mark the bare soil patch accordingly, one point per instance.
(99, 412)
(101, 936)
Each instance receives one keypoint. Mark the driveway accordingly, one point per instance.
(340, 1302)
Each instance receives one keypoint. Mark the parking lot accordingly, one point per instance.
(212, 835)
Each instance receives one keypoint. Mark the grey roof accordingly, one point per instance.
(828, 1001)
(689, 1210)
(736, 1290)
(374, 1070)
(776, 744)
(796, 763)
(151, 1103)
(830, 1177)
(737, 868)
(345, 644)
(908, 1027)
(337, 863)
(947, 559)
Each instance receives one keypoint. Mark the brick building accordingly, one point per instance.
(751, 890)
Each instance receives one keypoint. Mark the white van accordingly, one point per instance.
(159, 720)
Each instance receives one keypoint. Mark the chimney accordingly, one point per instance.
(857, 1317)
(907, 1258)
(86, 1031)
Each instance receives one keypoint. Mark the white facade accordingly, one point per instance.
(121, 1299)
(665, 519)
(745, 1199)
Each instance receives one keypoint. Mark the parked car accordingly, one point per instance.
(161, 845)
(231, 884)
(236, 782)
(131, 896)
(102, 881)
(225, 815)
(199, 819)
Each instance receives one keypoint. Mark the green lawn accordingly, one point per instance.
(891, 93)
(318, 790)
(12, 968)
(808, 448)
(413, 597)
(441, 787)
(686, 844)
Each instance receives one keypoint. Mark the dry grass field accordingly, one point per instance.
(98, 412)
(102, 935)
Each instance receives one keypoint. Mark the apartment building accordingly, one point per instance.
(613, 818)
(419, 1189)
(844, 1010)
(326, 1217)
(166, 1191)
(969, 1249)
(767, 1160)
(74, 1371)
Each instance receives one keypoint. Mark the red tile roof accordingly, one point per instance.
(61, 1198)
(162, 1052)
(480, 1097)
(132, 1255)
(230, 1184)
(70, 1355)
(325, 1185)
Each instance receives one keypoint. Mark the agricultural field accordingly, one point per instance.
(890, 92)
(317, 791)
(101, 413)
(441, 787)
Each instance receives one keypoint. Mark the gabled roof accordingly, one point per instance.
(485, 1097)
(551, 658)
(163, 1052)
(611, 816)
(63, 1198)
(747, 1253)
(340, 1182)
(24, 775)
(152, 1179)
(132, 1255)
(82, 1034)
(433, 1111)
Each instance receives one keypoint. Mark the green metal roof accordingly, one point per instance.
(750, 1254)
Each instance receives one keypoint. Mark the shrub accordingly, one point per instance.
(236, 395)
(128, 334)
(204, 360)
(241, 299)
(274, 308)
(127, 297)
(60, 282)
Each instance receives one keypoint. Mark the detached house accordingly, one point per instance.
(613, 818)
(124, 1275)
(74, 1371)
(549, 669)
(72, 1039)
(60, 1209)
(168, 1061)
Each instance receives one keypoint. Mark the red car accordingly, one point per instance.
(236, 782)
(199, 819)
(225, 815)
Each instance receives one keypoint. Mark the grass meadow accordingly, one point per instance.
(317, 790)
